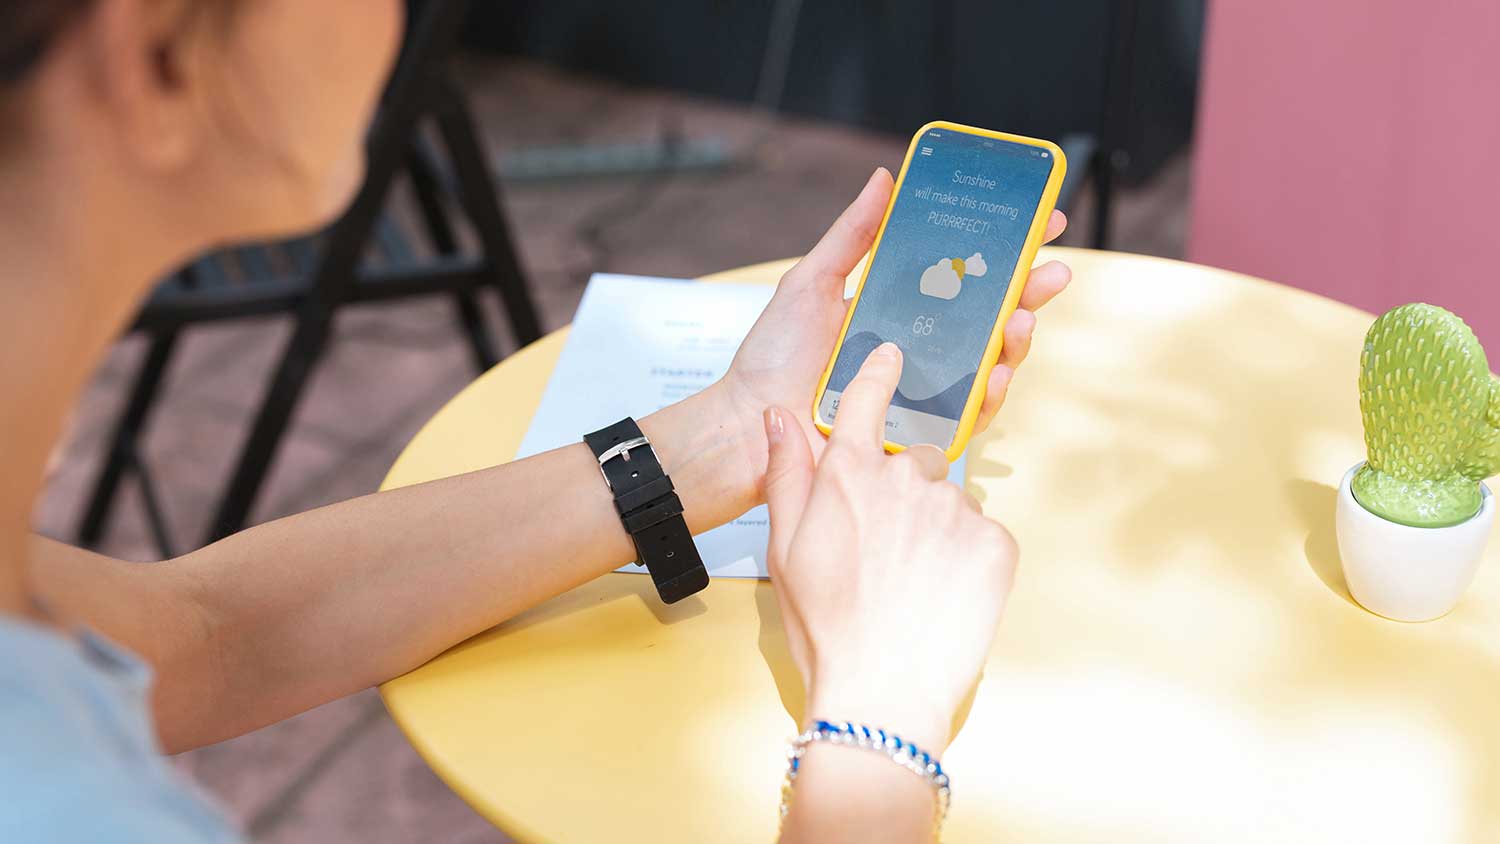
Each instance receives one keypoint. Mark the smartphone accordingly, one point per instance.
(962, 229)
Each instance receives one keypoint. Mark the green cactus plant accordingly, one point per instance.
(1431, 411)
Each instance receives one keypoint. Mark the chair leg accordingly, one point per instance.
(156, 514)
(471, 319)
(302, 353)
(1103, 172)
(1114, 133)
(426, 186)
(122, 441)
(481, 199)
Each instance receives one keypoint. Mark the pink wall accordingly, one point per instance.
(1353, 149)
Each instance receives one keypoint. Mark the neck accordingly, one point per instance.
(13, 598)
(73, 262)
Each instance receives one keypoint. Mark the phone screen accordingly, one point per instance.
(938, 279)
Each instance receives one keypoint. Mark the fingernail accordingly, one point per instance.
(775, 426)
(889, 350)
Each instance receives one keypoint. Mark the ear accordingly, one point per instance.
(139, 53)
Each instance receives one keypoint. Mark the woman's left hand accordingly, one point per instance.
(783, 357)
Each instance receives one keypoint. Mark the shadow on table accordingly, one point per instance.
(771, 640)
(607, 589)
(1315, 503)
(789, 687)
(1202, 441)
(690, 607)
(983, 466)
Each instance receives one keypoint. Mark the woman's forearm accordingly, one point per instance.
(312, 607)
(846, 794)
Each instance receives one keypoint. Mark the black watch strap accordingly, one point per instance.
(649, 509)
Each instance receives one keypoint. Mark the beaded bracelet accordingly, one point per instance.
(905, 754)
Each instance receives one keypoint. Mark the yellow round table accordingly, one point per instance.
(1180, 660)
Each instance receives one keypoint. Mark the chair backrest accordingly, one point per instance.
(1350, 149)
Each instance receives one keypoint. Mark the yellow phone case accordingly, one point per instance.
(1012, 296)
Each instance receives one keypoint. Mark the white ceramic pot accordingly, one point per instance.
(1408, 573)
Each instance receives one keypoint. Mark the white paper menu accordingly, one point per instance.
(637, 345)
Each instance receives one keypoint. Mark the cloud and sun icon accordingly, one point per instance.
(944, 279)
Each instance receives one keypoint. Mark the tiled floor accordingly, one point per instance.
(343, 772)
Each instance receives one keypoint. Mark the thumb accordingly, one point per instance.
(789, 475)
(841, 247)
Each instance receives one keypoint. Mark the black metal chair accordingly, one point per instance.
(1100, 156)
(364, 257)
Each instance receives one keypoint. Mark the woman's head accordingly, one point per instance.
(224, 118)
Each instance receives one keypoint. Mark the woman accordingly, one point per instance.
(137, 133)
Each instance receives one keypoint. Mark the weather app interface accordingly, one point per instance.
(940, 275)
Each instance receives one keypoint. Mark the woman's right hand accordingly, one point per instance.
(890, 579)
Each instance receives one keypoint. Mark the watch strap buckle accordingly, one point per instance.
(622, 450)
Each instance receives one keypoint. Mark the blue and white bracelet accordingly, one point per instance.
(903, 753)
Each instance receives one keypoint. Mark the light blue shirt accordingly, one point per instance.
(79, 760)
